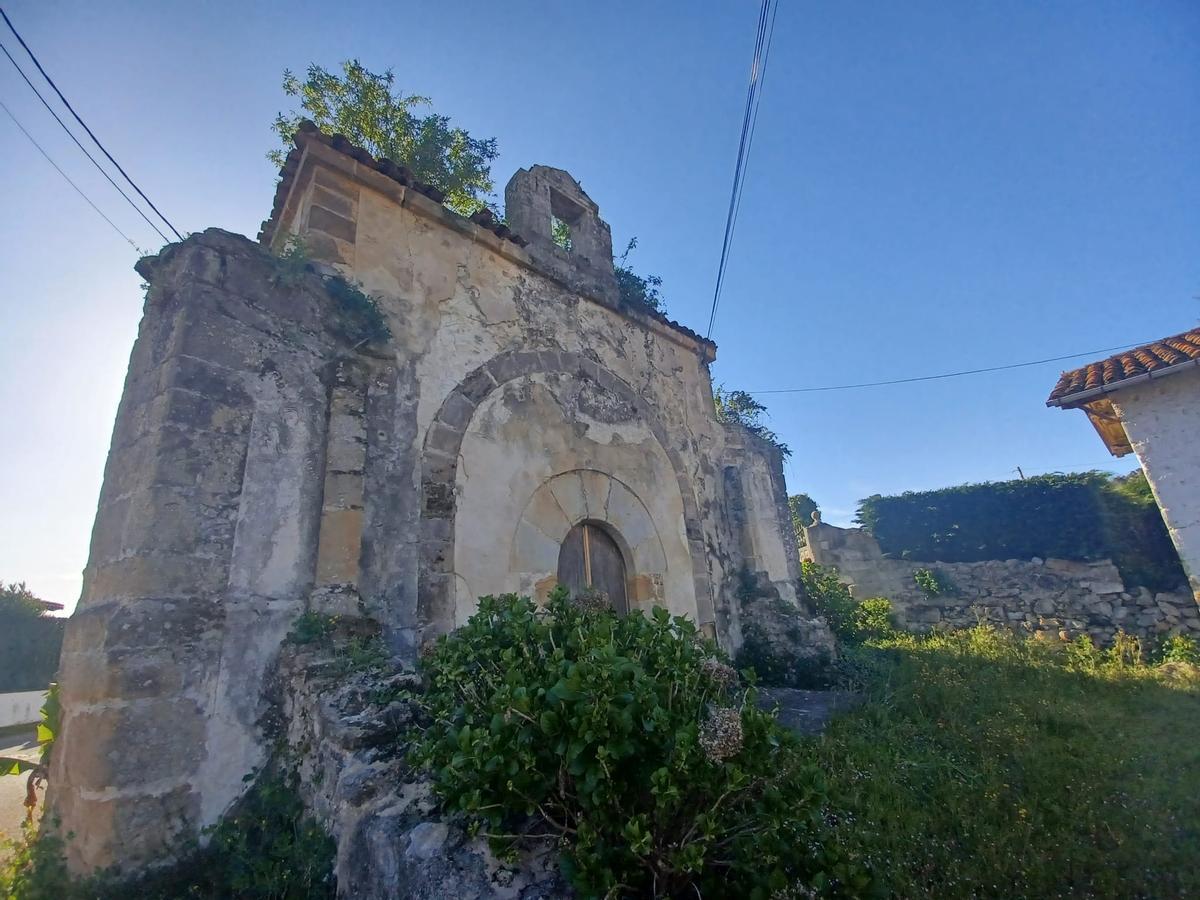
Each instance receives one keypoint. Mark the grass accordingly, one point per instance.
(986, 764)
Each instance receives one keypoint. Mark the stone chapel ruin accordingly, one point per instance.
(519, 427)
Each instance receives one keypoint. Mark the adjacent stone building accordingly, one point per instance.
(1147, 401)
(494, 419)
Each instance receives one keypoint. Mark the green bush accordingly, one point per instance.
(627, 740)
(30, 641)
(852, 621)
(1083, 516)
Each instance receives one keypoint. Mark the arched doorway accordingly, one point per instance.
(590, 558)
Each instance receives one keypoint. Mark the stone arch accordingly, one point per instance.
(439, 469)
(589, 495)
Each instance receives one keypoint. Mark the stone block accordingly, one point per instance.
(340, 546)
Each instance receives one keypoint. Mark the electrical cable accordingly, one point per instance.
(762, 44)
(867, 384)
(78, 119)
(71, 135)
(70, 182)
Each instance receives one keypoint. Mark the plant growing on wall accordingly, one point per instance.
(932, 582)
(740, 408)
(366, 108)
(637, 289)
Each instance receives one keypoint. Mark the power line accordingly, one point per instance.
(762, 49)
(71, 135)
(71, 109)
(867, 384)
(69, 181)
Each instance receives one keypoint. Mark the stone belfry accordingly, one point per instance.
(493, 418)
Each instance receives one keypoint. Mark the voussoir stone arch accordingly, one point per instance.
(439, 469)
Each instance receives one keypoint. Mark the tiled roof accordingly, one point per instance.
(1110, 374)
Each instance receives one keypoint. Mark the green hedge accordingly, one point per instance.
(30, 641)
(1089, 515)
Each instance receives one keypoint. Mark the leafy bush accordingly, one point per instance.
(30, 641)
(852, 621)
(267, 849)
(628, 740)
(1180, 649)
(1083, 516)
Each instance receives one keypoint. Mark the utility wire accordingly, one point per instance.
(71, 135)
(71, 109)
(867, 384)
(78, 190)
(762, 48)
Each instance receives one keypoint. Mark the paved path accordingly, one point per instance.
(806, 712)
(12, 787)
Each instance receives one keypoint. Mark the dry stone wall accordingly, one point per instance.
(1062, 597)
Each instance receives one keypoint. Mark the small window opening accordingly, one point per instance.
(565, 216)
(560, 233)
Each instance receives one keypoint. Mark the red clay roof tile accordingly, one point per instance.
(1167, 353)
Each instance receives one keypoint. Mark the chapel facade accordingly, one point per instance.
(513, 426)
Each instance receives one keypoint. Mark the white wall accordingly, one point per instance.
(1162, 419)
(21, 708)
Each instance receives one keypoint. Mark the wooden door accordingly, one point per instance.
(590, 558)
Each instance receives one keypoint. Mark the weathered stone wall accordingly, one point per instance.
(1053, 595)
(1161, 417)
(267, 460)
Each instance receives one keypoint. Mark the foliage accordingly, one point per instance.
(30, 640)
(560, 233)
(366, 108)
(740, 408)
(802, 507)
(1179, 648)
(775, 662)
(988, 764)
(357, 319)
(267, 849)
(37, 772)
(932, 582)
(628, 740)
(637, 289)
(1082, 516)
(852, 621)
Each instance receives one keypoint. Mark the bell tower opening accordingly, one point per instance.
(590, 558)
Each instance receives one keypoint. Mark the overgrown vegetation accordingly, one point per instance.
(355, 315)
(853, 622)
(985, 763)
(267, 849)
(30, 640)
(366, 108)
(740, 408)
(637, 289)
(626, 740)
(772, 658)
(1090, 515)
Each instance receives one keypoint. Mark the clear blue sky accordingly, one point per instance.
(934, 186)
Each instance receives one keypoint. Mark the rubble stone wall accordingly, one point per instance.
(1051, 595)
